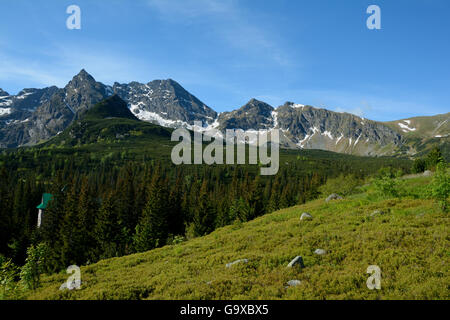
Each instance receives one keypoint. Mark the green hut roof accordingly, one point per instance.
(46, 197)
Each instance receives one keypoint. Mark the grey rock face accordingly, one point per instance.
(49, 111)
(254, 115)
(313, 128)
(297, 262)
(35, 115)
(24, 124)
(3, 93)
(164, 102)
(333, 196)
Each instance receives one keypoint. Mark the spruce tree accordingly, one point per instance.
(107, 229)
(204, 214)
(153, 228)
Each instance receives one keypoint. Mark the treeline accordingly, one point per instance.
(115, 210)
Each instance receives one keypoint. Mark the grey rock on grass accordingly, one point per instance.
(333, 196)
(229, 265)
(297, 261)
(293, 283)
(377, 213)
(320, 252)
(305, 216)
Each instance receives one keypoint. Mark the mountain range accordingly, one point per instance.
(34, 116)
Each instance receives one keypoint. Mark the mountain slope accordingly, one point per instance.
(423, 133)
(423, 127)
(409, 242)
(51, 110)
(255, 115)
(107, 124)
(112, 107)
(36, 115)
(164, 102)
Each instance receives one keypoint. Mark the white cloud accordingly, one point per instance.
(228, 22)
(12, 68)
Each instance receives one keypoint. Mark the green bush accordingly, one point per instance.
(344, 185)
(8, 274)
(440, 186)
(386, 182)
(34, 265)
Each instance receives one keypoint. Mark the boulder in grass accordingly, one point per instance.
(305, 216)
(333, 196)
(297, 262)
(320, 252)
(427, 173)
(229, 265)
(377, 213)
(293, 283)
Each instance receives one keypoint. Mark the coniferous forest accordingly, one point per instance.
(118, 204)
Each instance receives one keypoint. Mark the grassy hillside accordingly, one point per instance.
(424, 133)
(423, 127)
(409, 242)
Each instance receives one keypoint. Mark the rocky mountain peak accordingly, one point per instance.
(3, 93)
(81, 79)
(164, 102)
(257, 106)
(253, 115)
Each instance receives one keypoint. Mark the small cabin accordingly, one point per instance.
(46, 198)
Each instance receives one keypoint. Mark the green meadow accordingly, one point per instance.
(407, 238)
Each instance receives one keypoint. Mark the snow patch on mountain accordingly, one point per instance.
(328, 134)
(154, 117)
(406, 127)
(23, 95)
(5, 111)
(275, 118)
(339, 139)
(5, 103)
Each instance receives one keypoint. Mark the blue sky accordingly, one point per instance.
(227, 51)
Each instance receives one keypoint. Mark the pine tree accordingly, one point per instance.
(152, 230)
(274, 202)
(254, 201)
(175, 211)
(87, 208)
(6, 200)
(107, 230)
(51, 224)
(204, 214)
(72, 250)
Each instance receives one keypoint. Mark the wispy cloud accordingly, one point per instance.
(58, 63)
(17, 69)
(191, 8)
(229, 23)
